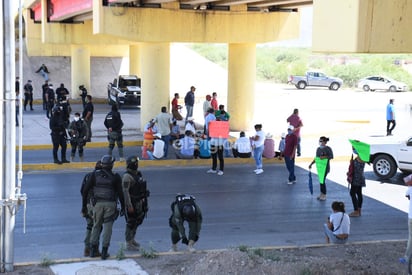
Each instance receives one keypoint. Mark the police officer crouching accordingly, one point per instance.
(184, 208)
(135, 198)
(58, 125)
(107, 190)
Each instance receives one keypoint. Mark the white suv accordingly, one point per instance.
(389, 154)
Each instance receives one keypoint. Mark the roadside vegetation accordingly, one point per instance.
(276, 64)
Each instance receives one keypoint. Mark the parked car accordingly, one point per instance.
(124, 90)
(372, 83)
(314, 78)
(387, 154)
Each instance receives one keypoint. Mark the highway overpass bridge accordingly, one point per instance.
(143, 31)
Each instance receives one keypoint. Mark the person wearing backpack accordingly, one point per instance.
(356, 185)
(114, 125)
(107, 191)
(135, 198)
(89, 214)
(184, 208)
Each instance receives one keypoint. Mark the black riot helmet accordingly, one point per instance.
(107, 161)
(189, 212)
(132, 162)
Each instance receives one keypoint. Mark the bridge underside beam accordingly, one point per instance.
(362, 26)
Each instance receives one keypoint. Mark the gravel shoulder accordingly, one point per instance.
(353, 258)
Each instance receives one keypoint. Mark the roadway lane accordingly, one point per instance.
(239, 208)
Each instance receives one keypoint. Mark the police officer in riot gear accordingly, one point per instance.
(88, 215)
(135, 197)
(50, 98)
(184, 208)
(78, 135)
(114, 125)
(58, 134)
(107, 191)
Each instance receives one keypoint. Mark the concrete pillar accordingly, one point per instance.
(80, 69)
(241, 85)
(155, 79)
(135, 60)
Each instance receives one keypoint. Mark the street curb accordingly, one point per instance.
(162, 163)
(98, 144)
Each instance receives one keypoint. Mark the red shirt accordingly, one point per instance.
(296, 122)
(174, 104)
(291, 141)
(214, 104)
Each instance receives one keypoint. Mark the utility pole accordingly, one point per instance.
(10, 195)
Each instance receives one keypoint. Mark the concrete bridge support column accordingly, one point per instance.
(135, 60)
(241, 85)
(80, 68)
(155, 79)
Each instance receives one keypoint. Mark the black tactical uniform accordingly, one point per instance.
(114, 125)
(28, 95)
(135, 197)
(184, 208)
(58, 134)
(78, 136)
(107, 190)
(50, 98)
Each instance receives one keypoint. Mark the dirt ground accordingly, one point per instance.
(370, 258)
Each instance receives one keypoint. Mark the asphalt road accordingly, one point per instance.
(239, 208)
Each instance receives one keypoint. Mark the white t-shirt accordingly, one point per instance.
(191, 127)
(158, 148)
(335, 219)
(242, 145)
(261, 139)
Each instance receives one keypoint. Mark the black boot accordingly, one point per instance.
(105, 254)
(94, 251)
(57, 161)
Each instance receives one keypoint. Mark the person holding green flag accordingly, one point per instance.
(323, 155)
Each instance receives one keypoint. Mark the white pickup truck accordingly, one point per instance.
(389, 154)
(318, 79)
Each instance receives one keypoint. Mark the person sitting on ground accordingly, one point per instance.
(269, 147)
(242, 147)
(157, 151)
(185, 148)
(175, 132)
(190, 125)
(148, 132)
(203, 146)
(221, 114)
(338, 225)
(281, 148)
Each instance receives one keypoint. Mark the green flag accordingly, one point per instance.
(362, 148)
(321, 165)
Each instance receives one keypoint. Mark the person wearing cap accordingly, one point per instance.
(78, 136)
(157, 151)
(148, 136)
(291, 143)
(50, 98)
(190, 102)
(190, 125)
(114, 124)
(323, 152)
(281, 148)
(107, 191)
(28, 95)
(164, 125)
(258, 145)
(296, 122)
(184, 208)
(135, 198)
(242, 147)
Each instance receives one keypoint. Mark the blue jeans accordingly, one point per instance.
(166, 139)
(290, 165)
(189, 111)
(257, 155)
(332, 237)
